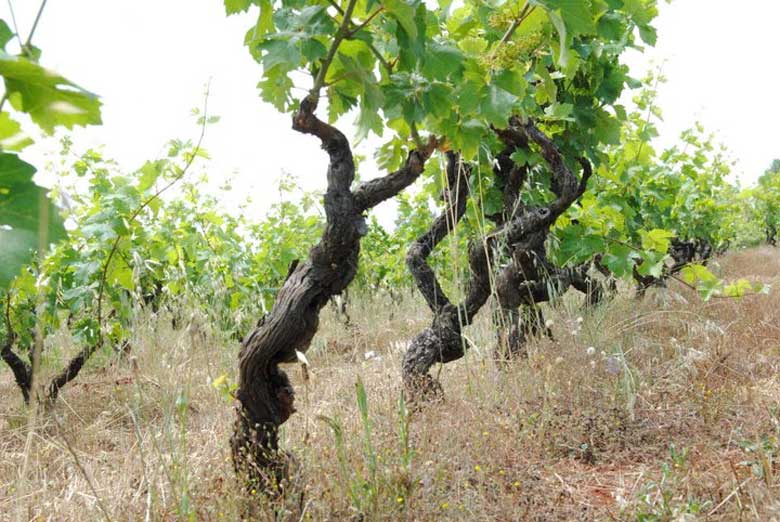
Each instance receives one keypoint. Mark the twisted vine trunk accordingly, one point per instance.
(692, 251)
(529, 278)
(265, 398)
(523, 230)
(524, 284)
(21, 369)
(771, 234)
(442, 341)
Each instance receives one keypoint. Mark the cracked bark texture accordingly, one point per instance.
(529, 278)
(526, 281)
(265, 398)
(442, 341)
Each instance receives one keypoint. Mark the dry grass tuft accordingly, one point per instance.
(664, 409)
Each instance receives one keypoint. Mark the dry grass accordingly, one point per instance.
(674, 414)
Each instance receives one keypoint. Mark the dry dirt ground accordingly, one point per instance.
(662, 409)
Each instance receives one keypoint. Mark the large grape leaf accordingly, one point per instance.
(404, 13)
(50, 99)
(576, 14)
(20, 216)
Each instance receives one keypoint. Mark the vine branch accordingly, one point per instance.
(525, 13)
(342, 33)
(365, 22)
(336, 6)
(26, 46)
(75, 364)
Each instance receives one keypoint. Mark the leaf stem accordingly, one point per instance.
(16, 26)
(387, 65)
(365, 22)
(341, 34)
(26, 46)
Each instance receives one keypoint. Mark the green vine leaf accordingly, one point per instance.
(50, 99)
(23, 204)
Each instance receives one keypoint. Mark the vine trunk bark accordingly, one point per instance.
(265, 397)
(523, 282)
(529, 278)
(442, 341)
(21, 369)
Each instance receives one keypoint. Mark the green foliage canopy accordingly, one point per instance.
(28, 218)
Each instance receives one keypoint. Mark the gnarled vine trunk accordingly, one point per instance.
(21, 369)
(529, 278)
(771, 234)
(684, 252)
(522, 229)
(265, 398)
(442, 341)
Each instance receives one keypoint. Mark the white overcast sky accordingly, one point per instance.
(150, 59)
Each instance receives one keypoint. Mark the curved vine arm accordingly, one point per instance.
(375, 191)
(455, 196)
(529, 278)
(442, 341)
(21, 369)
(587, 172)
(479, 285)
(265, 397)
(568, 189)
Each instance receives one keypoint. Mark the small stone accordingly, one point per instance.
(614, 365)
